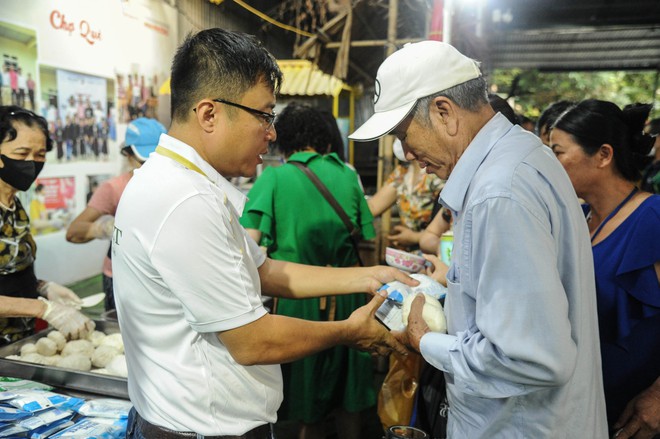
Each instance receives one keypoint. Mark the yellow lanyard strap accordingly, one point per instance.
(179, 159)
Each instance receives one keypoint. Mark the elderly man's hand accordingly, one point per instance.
(641, 417)
(417, 327)
(368, 334)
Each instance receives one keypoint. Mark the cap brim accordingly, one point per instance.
(381, 123)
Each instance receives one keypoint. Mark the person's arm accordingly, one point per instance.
(254, 234)
(69, 321)
(297, 281)
(20, 307)
(641, 417)
(90, 224)
(429, 240)
(402, 236)
(382, 200)
(275, 339)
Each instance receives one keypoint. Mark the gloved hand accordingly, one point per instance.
(69, 321)
(57, 293)
(102, 228)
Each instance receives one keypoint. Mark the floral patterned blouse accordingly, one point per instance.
(415, 200)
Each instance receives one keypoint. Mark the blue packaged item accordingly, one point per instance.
(389, 313)
(36, 400)
(47, 430)
(10, 414)
(95, 428)
(106, 408)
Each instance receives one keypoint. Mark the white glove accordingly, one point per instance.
(69, 321)
(102, 228)
(57, 293)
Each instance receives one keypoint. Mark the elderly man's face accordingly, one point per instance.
(429, 145)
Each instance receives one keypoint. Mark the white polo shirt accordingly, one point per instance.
(184, 269)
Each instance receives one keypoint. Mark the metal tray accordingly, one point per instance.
(106, 385)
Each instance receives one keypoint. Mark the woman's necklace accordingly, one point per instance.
(5, 207)
(616, 209)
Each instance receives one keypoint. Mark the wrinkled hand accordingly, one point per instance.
(438, 269)
(368, 334)
(381, 274)
(69, 321)
(641, 417)
(402, 236)
(416, 328)
(59, 294)
(103, 227)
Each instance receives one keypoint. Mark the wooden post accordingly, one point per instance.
(385, 143)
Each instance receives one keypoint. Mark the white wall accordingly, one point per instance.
(100, 38)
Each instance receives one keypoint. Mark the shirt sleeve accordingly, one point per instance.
(520, 339)
(209, 267)
(102, 199)
(259, 211)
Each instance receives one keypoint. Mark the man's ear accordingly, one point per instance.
(443, 110)
(605, 155)
(207, 115)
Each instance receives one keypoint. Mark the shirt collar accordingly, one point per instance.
(455, 190)
(234, 196)
(308, 156)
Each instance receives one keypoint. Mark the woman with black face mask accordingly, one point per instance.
(24, 142)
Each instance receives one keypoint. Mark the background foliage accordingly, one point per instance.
(532, 90)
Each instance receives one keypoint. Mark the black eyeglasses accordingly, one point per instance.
(268, 118)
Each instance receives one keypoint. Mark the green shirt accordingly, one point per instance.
(299, 225)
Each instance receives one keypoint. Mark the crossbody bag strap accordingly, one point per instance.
(353, 230)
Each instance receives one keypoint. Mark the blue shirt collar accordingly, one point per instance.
(455, 190)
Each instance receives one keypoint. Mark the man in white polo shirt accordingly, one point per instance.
(203, 354)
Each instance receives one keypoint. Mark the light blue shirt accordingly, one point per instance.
(522, 356)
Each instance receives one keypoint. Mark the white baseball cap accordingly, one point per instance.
(413, 72)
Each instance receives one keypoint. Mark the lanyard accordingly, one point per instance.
(180, 159)
(616, 209)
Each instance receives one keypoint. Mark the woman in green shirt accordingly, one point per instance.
(288, 216)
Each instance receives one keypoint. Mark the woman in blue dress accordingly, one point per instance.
(603, 150)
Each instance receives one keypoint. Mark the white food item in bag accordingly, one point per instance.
(433, 314)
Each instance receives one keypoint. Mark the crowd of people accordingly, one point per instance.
(553, 303)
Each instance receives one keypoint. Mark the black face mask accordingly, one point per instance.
(20, 174)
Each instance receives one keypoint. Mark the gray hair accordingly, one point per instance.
(470, 95)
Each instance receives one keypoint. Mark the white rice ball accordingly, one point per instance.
(115, 341)
(96, 337)
(103, 355)
(82, 347)
(58, 338)
(433, 314)
(118, 366)
(75, 361)
(46, 347)
(28, 348)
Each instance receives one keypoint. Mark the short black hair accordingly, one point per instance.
(336, 138)
(300, 126)
(216, 63)
(500, 104)
(9, 114)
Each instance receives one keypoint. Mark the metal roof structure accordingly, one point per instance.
(302, 78)
(569, 35)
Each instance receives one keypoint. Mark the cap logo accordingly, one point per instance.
(376, 91)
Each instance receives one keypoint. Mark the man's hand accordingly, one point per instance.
(367, 333)
(641, 417)
(402, 236)
(417, 327)
(379, 275)
(438, 270)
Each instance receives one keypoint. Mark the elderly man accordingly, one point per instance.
(521, 356)
(202, 352)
